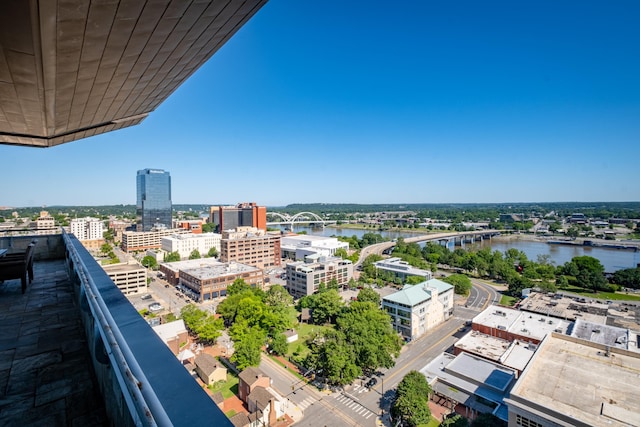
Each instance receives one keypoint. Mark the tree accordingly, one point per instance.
(414, 280)
(588, 272)
(411, 404)
(342, 253)
(279, 344)
(628, 278)
(331, 353)
(455, 421)
(195, 254)
(461, 283)
(278, 297)
(208, 227)
(368, 294)
(326, 306)
(149, 262)
(172, 257)
(368, 330)
(106, 248)
(201, 324)
(248, 348)
(213, 252)
(238, 286)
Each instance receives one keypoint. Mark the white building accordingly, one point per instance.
(298, 246)
(418, 308)
(402, 269)
(304, 278)
(184, 244)
(87, 228)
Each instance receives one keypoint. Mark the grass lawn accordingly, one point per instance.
(227, 388)
(433, 423)
(304, 330)
(230, 413)
(602, 295)
(507, 300)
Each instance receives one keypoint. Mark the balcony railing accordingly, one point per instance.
(140, 379)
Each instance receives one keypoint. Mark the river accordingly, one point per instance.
(611, 259)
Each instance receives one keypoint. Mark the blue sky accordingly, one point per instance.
(381, 102)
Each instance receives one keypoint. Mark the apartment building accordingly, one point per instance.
(250, 246)
(304, 278)
(137, 241)
(418, 308)
(87, 228)
(185, 244)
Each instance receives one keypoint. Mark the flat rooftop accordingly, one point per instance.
(497, 317)
(566, 307)
(522, 323)
(212, 271)
(605, 334)
(574, 380)
(514, 354)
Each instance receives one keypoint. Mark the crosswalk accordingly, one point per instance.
(354, 406)
(306, 403)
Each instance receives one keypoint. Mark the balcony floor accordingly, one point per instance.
(46, 377)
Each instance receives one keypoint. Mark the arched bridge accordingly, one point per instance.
(300, 218)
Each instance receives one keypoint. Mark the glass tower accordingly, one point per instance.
(153, 204)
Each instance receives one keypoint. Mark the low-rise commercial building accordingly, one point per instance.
(470, 384)
(402, 269)
(208, 278)
(510, 324)
(304, 278)
(250, 246)
(129, 278)
(417, 308)
(298, 246)
(574, 382)
(185, 244)
(512, 354)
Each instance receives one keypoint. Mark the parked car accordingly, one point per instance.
(372, 382)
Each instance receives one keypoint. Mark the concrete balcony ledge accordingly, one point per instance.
(74, 351)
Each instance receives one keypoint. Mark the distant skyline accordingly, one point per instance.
(372, 102)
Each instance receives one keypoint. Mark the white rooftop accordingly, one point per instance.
(171, 330)
(575, 380)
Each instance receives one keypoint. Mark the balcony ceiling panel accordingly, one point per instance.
(70, 69)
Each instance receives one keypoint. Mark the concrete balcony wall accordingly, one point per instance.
(50, 246)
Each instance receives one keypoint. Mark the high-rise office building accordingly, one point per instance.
(240, 215)
(153, 204)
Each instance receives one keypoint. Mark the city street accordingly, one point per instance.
(362, 406)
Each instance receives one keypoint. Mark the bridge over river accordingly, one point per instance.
(458, 237)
